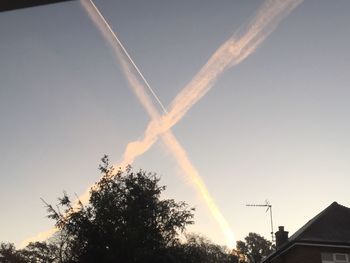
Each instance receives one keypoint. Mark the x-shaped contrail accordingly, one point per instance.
(231, 53)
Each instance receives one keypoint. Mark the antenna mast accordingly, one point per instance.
(269, 208)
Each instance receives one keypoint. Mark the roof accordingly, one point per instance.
(331, 227)
(6, 5)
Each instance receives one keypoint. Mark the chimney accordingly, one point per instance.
(281, 236)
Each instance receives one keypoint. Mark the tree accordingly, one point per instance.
(9, 254)
(124, 221)
(255, 248)
(40, 252)
(199, 249)
(37, 252)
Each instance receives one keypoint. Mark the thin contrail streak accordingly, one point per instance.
(110, 30)
(231, 53)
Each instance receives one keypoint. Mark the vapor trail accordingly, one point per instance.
(170, 141)
(115, 43)
(231, 53)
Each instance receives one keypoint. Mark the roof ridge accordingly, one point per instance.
(342, 206)
(309, 223)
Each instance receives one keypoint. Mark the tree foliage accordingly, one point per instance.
(124, 221)
(254, 249)
(9, 254)
(199, 249)
(38, 252)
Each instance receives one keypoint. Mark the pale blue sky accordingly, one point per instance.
(275, 127)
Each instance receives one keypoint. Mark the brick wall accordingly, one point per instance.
(307, 254)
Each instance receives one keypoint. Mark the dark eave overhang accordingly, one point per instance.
(7, 5)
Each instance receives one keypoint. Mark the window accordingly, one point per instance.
(341, 257)
(327, 257)
(335, 258)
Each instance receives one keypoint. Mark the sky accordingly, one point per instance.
(274, 127)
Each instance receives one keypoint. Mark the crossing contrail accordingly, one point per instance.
(231, 53)
(139, 88)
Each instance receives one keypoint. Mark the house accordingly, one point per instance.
(324, 239)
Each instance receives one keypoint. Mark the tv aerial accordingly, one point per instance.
(269, 208)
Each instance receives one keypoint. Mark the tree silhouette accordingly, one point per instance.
(124, 221)
(8, 254)
(254, 249)
(199, 249)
